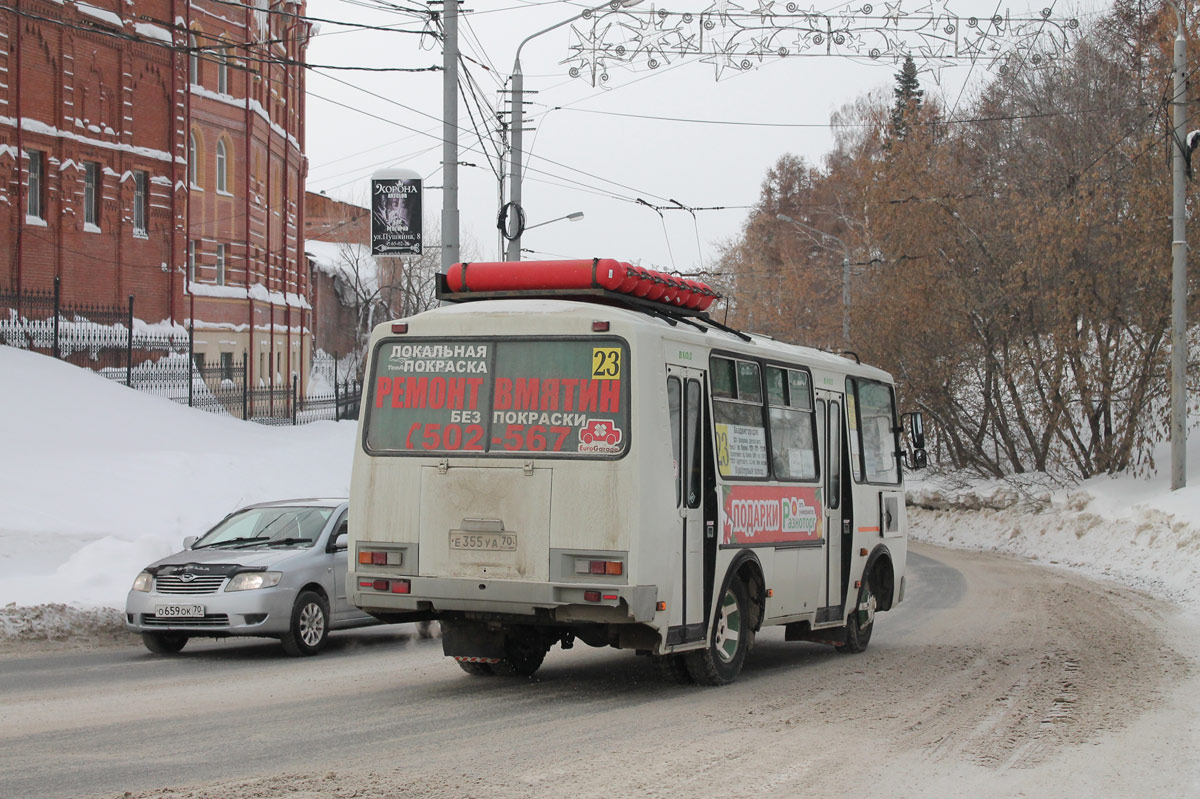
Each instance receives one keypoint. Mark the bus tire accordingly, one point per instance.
(523, 655)
(861, 621)
(475, 668)
(732, 634)
(672, 668)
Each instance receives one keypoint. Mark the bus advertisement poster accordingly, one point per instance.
(770, 514)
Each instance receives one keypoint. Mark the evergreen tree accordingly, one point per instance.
(907, 108)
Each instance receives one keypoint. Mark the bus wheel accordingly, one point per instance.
(476, 668)
(672, 668)
(861, 621)
(523, 655)
(720, 661)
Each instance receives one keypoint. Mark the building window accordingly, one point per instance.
(221, 166)
(193, 247)
(220, 264)
(91, 193)
(192, 161)
(33, 195)
(193, 59)
(140, 202)
(198, 359)
(223, 71)
(227, 366)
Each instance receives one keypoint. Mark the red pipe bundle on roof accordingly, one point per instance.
(595, 273)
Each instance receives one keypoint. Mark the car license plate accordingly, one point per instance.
(179, 611)
(485, 542)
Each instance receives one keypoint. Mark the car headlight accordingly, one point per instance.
(143, 582)
(248, 581)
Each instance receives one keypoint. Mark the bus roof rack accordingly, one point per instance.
(668, 313)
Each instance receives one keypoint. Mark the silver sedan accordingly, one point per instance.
(276, 569)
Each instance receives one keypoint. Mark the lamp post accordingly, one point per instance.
(845, 272)
(1179, 262)
(513, 252)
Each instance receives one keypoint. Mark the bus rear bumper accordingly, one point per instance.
(566, 602)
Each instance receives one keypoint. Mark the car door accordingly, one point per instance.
(341, 610)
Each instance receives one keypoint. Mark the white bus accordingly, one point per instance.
(540, 471)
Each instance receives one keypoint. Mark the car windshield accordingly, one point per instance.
(267, 527)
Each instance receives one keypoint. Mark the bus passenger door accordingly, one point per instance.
(829, 439)
(685, 397)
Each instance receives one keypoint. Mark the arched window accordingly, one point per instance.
(193, 171)
(193, 59)
(221, 165)
(223, 69)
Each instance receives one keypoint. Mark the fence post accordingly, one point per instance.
(191, 355)
(245, 383)
(337, 401)
(293, 398)
(57, 282)
(129, 347)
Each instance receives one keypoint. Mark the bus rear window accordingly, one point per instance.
(567, 397)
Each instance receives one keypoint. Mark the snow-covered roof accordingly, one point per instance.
(351, 262)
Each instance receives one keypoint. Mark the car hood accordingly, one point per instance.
(225, 561)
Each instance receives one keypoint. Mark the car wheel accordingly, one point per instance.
(310, 625)
(164, 643)
(721, 661)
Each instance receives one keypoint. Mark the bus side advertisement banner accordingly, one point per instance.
(770, 514)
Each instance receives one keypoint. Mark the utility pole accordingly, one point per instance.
(449, 134)
(516, 159)
(1179, 265)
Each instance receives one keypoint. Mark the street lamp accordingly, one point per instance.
(574, 217)
(518, 122)
(845, 273)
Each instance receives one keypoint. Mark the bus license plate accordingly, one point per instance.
(179, 611)
(484, 542)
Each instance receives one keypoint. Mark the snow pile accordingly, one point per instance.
(1135, 531)
(96, 481)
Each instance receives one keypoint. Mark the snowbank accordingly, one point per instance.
(1132, 530)
(97, 480)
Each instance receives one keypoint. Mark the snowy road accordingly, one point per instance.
(995, 678)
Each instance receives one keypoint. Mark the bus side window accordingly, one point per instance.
(833, 457)
(675, 405)
(877, 410)
(739, 431)
(793, 452)
(694, 410)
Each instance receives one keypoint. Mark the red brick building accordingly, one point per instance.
(338, 244)
(155, 148)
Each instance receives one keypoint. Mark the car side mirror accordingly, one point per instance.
(189, 540)
(341, 540)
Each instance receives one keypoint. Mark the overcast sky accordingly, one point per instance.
(598, 151)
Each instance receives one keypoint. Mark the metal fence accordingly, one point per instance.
(103, 338)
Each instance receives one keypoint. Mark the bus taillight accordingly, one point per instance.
(609, 567)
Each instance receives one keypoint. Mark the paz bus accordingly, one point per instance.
(576, 451)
